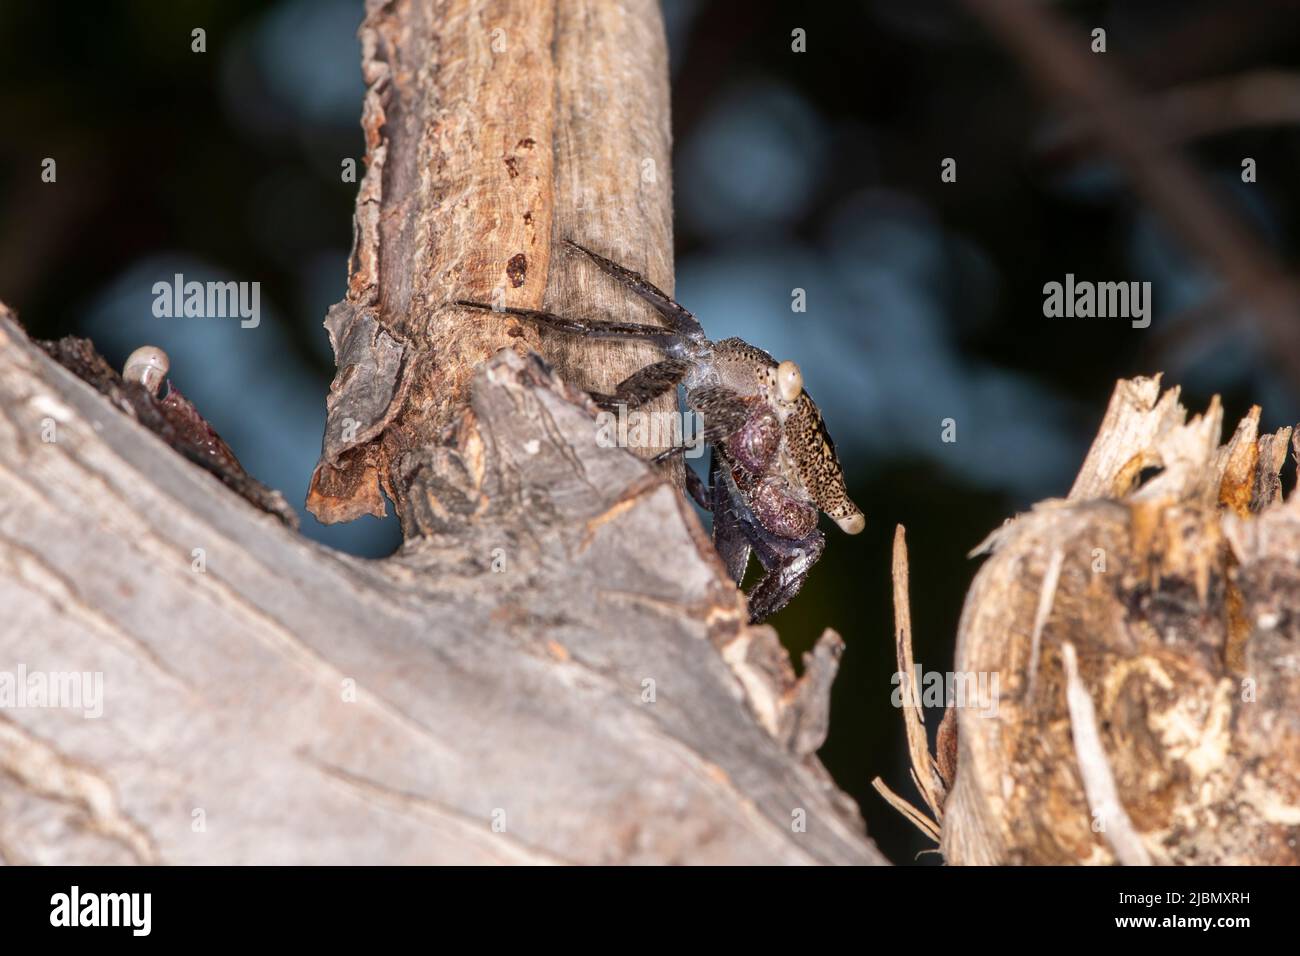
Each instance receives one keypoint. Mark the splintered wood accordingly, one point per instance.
(1144, 632)
(926, 775)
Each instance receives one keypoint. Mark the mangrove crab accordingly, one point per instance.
(773, 464)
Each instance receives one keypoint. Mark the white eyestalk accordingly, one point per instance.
(789, 381)
(147, 365)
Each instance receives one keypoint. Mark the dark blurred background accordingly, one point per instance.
(817, 171)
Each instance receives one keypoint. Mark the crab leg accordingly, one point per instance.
(644, 384)
(673, 312)
(731, 535)
(590, 328)
(695, 486)
(787, 563)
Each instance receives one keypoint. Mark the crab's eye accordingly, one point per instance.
(147, 365)
(789, 380)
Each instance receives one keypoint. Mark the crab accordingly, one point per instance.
(773, 465)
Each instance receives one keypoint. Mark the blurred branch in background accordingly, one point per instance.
(1059, 60)
(1196, 110)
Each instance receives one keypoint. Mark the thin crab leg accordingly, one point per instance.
(729, 526)
(786, 563)
(644, 384)
(591, 328)
(723, 410)
(678, 318)
(695, 487)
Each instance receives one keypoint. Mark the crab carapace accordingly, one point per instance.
(773, 464)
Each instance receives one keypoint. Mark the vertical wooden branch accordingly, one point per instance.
(613, 185)
(492, 128)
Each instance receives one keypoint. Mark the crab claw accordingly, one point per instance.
(852, 524)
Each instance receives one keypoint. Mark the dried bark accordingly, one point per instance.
(492, 130)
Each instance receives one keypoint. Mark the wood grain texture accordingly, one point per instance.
(1172, 571)
(493, 129)
(318, 708)
(613, 183)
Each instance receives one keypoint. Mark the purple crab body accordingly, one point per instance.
(755, 444)
(778, 508)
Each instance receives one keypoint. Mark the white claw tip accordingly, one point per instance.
(789, 380)
(852, 524)
(147, 365)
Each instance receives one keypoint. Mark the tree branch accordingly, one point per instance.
(492, 130)
(548, 663)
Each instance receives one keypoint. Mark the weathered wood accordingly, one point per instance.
(492, 130)
(1178, 591)
(519, 691)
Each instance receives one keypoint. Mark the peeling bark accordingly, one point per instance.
(492, 130)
